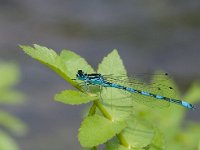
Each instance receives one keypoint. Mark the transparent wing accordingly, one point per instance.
(117, 102)
(159, 89)
(139, 98)
(137, 78)
(159, 86)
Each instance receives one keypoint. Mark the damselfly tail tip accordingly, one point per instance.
(188, 105)
(194, 107)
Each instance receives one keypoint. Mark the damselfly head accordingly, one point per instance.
(80, 72)
(80, 75)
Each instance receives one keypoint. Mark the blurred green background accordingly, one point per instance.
(149, 35)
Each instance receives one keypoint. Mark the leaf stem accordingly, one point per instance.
(120, 137)
(92, 110)
(103, 110)
(122, 140)
(94, 148)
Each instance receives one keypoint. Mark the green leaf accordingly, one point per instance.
(170, 121)
(7, 143)
(12, 123)
(116, 101)
(74, 63)
(66, 65)
(74, 97)
(42, 54)
(190, 137)
(186, 139)
(11, 97)
(48, 57)
(158, 142)
(9, 75)
(112, 64)
(193, 94)
(114, 145)
(138, 133)
(97, 130)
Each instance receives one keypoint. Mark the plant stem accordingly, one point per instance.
(122, 140)
(94, 148)
(120, 137)
(92, 110)
(103, 110)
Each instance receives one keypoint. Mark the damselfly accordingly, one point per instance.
(102, 81)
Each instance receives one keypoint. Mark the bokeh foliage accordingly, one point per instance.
(9, 77)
